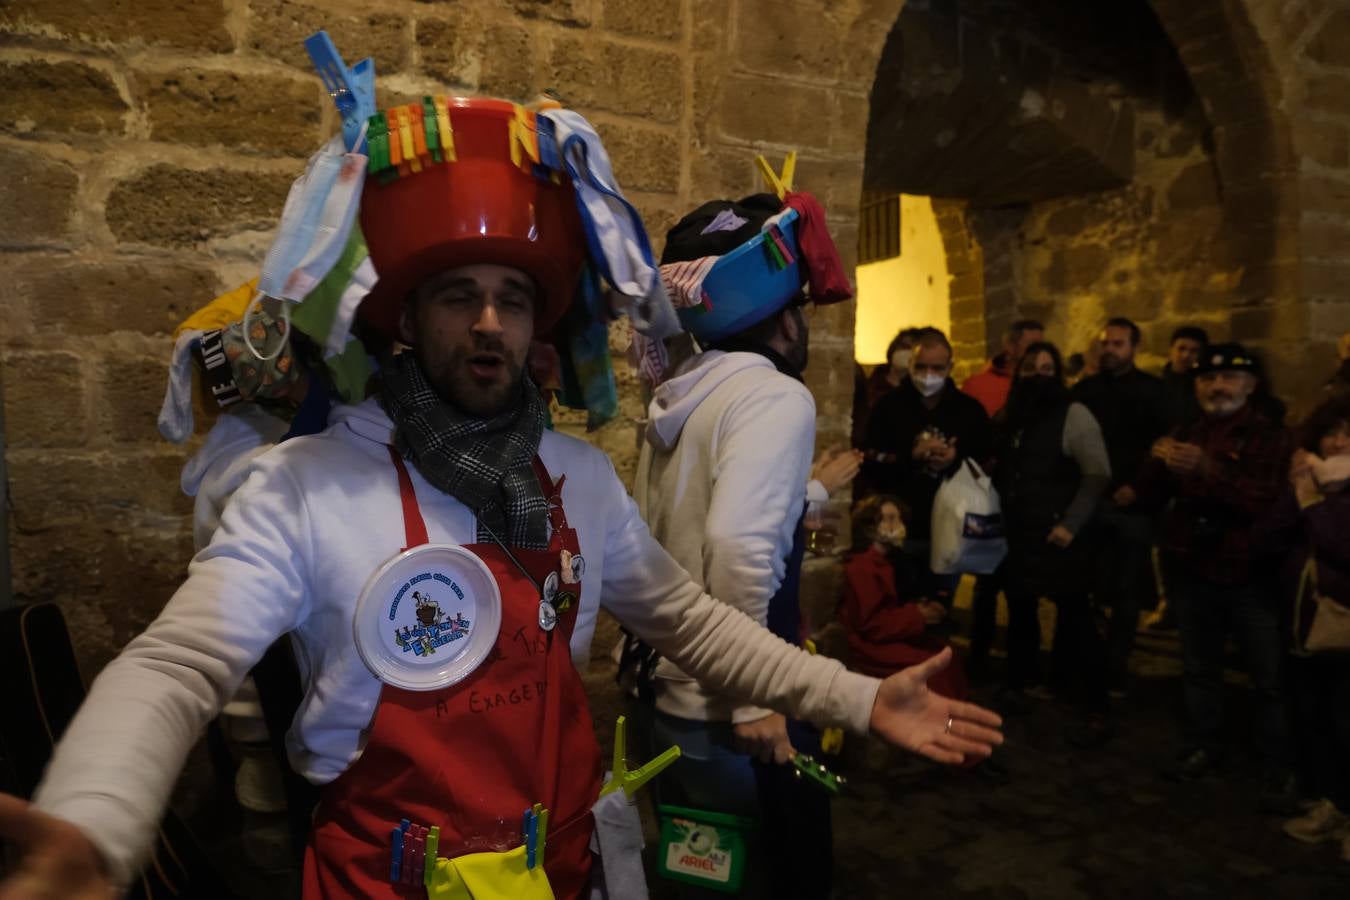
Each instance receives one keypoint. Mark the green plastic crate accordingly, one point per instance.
(703, 848)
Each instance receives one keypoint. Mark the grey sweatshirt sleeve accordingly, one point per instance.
(1083, 441)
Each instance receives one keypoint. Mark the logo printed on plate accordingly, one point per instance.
(428, 623)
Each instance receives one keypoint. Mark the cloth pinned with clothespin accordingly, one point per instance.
(352, 90)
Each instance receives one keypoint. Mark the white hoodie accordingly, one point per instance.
(314, 518)
(719, 483)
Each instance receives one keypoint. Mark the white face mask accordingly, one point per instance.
(928, 384)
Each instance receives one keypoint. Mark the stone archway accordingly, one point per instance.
(1165, 195)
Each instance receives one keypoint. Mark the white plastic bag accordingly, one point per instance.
(968, 533)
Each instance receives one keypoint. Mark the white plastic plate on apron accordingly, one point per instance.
(428, 617)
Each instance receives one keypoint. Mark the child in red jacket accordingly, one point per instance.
(886, 631)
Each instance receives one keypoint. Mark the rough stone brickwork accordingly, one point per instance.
(147, 146)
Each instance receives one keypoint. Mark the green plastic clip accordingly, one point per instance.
(807, 767)
(632, 782)
(429, 126)
(377, 142)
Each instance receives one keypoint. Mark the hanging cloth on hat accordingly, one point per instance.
(327, 311)
(684, 281)
(486, 464)
(614, 232)
(825, 271)
(583, 350)
(175, 414)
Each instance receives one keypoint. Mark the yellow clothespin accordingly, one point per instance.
(405, 137)
(779, 184)
(632, 782)
(831, 739)
(523, 135)
(445, 132)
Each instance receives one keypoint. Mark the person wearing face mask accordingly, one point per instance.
(886, 377)
(1222, 473)
(889, 624)
(1305, 536)
(1051, 470)
(1131, 407)
(918, 435)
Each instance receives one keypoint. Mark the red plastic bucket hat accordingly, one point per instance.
(479, 207)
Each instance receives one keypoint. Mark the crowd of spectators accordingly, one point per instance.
(1189, 499)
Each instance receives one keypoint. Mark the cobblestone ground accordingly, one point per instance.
(1066, 824)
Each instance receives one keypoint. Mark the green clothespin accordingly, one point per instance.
(377, 143)
(632, 782)
(429, 126)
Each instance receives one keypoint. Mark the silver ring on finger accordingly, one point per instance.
(948, 729)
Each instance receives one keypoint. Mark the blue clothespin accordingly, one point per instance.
(531, 835)
(396, 846)
(352, 90)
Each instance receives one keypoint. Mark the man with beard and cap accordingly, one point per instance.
(445, 479)
(720, 482)
(1131, 407)
(1222, 473)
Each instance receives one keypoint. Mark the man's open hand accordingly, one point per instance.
(909, 715)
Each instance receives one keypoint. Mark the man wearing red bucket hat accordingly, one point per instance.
(430, 553)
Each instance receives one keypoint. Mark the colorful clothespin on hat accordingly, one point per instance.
(352, 90)
(621, 777)
(444, 130)
(377, 139)
(778, 184)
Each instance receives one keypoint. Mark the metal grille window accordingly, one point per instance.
(879, 228)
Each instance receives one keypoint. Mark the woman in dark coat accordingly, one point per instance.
(1308, 533)
(1051, 470)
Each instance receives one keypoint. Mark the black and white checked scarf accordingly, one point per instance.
(486, 464)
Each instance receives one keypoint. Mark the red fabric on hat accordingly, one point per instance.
(825, 272)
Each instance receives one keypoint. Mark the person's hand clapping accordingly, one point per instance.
(836, 469)
(1186, 459)
(1060, 536)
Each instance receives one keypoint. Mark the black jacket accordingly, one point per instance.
(892, 428)
(1133, 412)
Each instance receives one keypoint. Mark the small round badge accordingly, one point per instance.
(550, 586)
(548, 616)
(578, 568)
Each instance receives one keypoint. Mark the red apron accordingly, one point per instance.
(474, 756)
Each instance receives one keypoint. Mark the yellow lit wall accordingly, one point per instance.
(912, 289)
